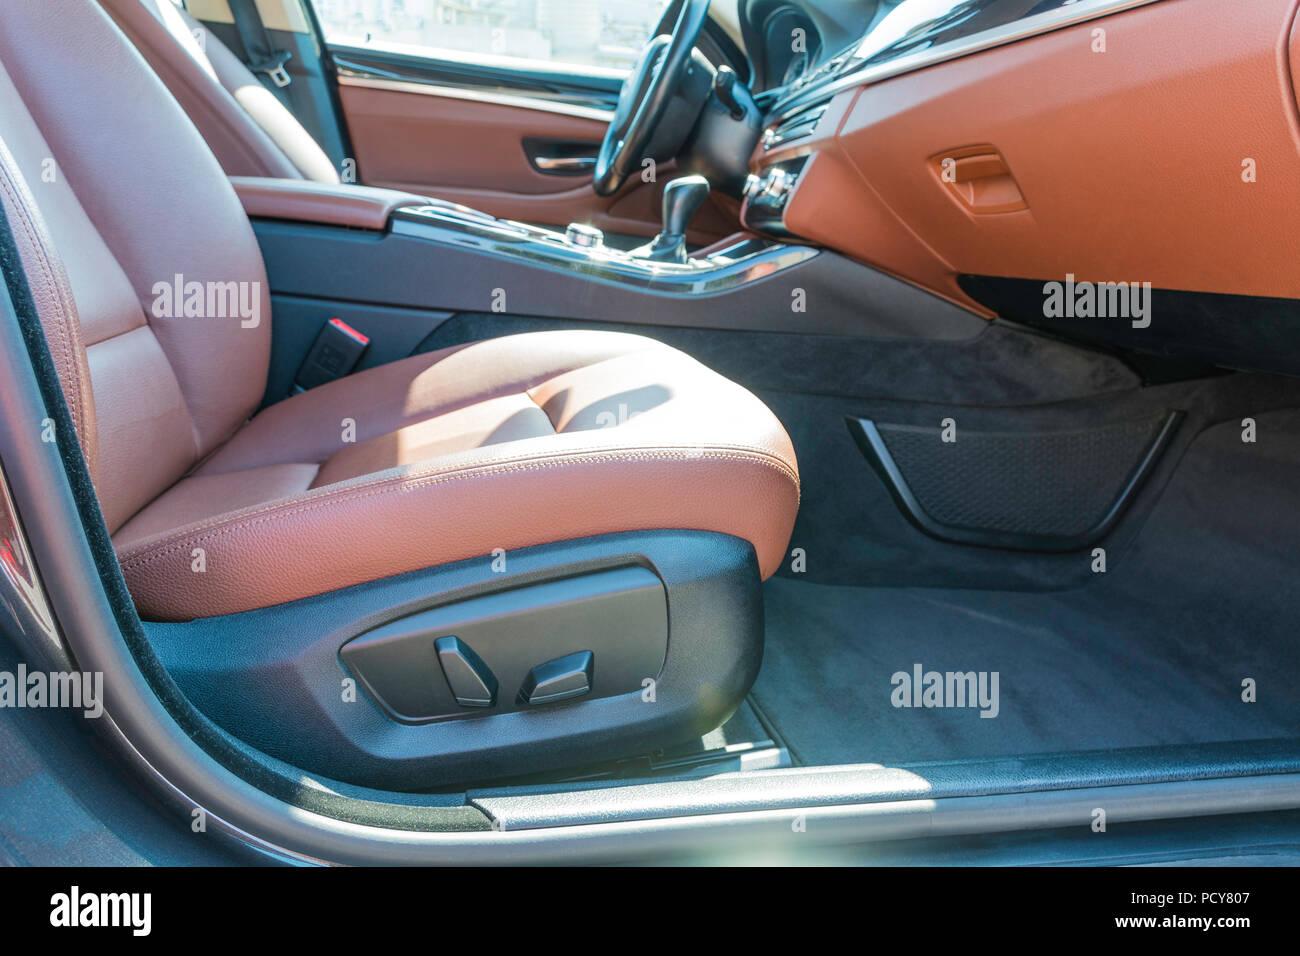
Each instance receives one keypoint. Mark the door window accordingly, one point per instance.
(595, 35)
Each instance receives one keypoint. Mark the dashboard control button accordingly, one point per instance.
(588, 237)
(777, 183)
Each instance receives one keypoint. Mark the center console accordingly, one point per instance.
(582, 251)
(396, 266)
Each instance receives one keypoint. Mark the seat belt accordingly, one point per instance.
(335, 353)
(264, 58)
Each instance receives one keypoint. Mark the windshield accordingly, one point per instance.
(919, 24)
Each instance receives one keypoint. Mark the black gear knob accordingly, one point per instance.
(682, 197)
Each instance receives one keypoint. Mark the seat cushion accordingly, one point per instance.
(450, 455)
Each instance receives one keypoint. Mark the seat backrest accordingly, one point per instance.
(249, 130)
(114, 201)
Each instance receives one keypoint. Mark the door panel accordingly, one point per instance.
(447, 140)
(469, 147)
(458, 103)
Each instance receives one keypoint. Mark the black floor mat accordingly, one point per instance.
(1153, 651)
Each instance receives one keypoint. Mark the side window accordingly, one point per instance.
(599, 35)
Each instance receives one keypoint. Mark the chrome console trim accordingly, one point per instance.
(740, 263)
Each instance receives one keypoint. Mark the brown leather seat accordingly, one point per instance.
(246, 127)
(113, 197)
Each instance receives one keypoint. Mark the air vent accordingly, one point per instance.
(795, 126)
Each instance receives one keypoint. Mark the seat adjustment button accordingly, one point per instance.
(471, 682)
(561, 679)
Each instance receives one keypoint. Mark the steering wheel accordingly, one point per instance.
(644, 99)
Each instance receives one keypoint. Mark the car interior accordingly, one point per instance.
(880, 415)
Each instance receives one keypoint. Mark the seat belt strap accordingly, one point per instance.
(264, 58)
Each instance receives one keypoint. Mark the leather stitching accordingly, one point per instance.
(60, 304)
(593, 453)
(213, 530)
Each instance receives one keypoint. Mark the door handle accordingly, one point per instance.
(554, 156)
(564, 164)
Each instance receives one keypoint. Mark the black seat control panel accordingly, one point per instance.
(517, 648)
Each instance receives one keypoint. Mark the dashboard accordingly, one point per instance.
(823, 65)
(979, 149)
(1108, 139)
(787, 40)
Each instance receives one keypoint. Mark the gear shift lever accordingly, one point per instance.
(682, 197)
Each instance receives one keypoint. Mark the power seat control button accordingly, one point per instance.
(561, 679)
(471, 682)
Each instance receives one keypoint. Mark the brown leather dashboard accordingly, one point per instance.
(1165, 149)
